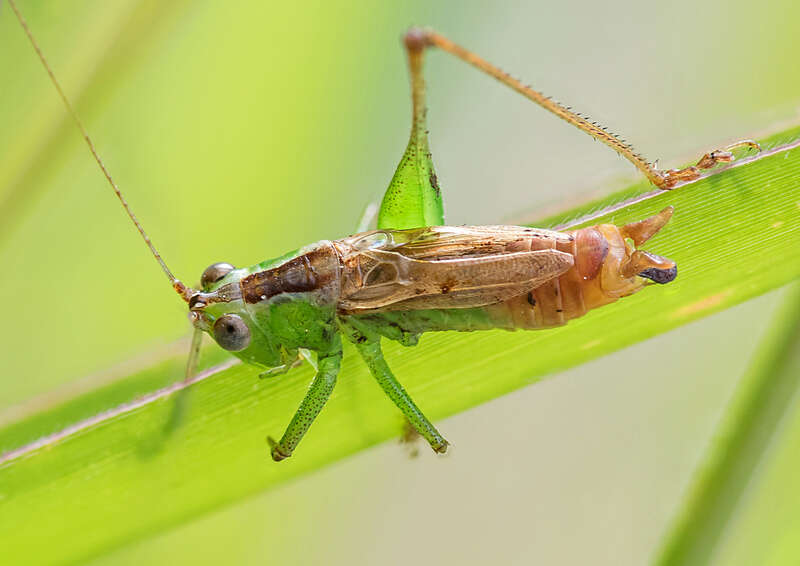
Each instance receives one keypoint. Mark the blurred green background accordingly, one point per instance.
(242, 130)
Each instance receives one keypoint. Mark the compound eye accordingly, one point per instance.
(231, 332)
(214, 273)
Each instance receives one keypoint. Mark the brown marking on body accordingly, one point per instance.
(434, 181)
(303, 274)
(448, 285)
(550, 306)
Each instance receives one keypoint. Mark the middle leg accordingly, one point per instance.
(373, 356)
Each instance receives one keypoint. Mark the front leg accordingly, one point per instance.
(290, 360)
(318, 394)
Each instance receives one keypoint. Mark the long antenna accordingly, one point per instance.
(182, 290)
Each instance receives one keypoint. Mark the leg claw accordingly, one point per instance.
(674, 176)
(277, 452)
(441, 448)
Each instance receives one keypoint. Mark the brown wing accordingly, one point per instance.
(447, 267)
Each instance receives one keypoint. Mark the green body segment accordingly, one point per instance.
(406, 326)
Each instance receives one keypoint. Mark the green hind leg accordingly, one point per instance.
(373, 356)
(318, 394)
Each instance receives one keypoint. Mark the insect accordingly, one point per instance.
(414, 274)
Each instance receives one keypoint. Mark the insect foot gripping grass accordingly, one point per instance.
(414, 274)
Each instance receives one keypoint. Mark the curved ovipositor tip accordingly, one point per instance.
(646, 264)
(660, 276)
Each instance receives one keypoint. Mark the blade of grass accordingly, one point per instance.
(756, 415)
(734, 236)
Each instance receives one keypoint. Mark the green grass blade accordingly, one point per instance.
(120, 477)
(764, 398)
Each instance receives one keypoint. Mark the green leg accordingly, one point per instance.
(373, 356)
(318, 394)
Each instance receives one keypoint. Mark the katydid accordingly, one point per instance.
(414, 274)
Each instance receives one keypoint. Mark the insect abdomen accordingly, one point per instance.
(568, 296)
